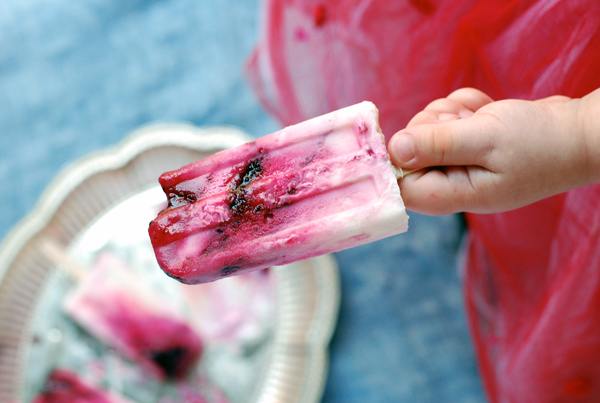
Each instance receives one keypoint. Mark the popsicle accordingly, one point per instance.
(120, 309)
(64, 386)
(317, 187)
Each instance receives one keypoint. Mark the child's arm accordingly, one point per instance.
(497, 156)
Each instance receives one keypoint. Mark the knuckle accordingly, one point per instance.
(422, 117)
(437, 143)
(470, 96)
(435, 103)
(443, 105)
(556, 98)
(465, 92)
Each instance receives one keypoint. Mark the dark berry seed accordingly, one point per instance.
(253, 170)
(308, 160)
(229, 269)
(237, 195)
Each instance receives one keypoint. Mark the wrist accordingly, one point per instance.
(589, 123)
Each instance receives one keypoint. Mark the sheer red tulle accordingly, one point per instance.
(532, 279)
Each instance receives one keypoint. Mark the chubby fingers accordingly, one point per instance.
(446, 191)
(461, 103)
(458, 142)
(440, 110)
(470, 98)
(438, 136)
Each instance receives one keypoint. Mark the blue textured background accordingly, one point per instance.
(78, 76)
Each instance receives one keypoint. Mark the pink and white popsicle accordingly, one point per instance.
(120, 309)
(321, 186)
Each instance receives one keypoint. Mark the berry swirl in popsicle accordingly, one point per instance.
(320, 186)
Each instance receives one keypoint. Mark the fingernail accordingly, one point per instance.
(401, 147)
(465, 113)
(444, 117)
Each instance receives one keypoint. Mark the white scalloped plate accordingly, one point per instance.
(306, 301)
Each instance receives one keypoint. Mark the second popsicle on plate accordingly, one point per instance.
(320, 186)
(124, 311)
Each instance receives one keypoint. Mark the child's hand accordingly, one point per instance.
(497, 156)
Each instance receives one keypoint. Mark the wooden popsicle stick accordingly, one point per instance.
(57, 254)
(401, 173)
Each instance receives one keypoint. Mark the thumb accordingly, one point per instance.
(458, 142)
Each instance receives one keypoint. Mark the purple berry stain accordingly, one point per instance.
(319, 15)
(170, 360)
(229, 269)
(237, 196)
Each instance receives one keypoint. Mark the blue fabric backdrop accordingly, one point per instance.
(78, 76)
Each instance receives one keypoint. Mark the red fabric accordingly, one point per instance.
(532, 282)
(533, 298)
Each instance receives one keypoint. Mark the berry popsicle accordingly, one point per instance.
(320, 186)
(119, 309)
